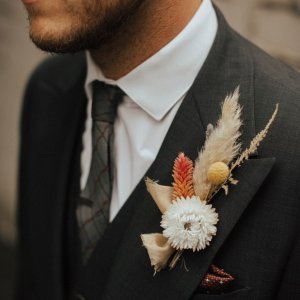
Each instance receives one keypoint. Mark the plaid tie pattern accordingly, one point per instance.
(93, 208)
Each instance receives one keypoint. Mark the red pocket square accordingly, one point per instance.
(216, 280)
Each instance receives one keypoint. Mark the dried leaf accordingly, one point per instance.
(233, 181)
(161, 194)
(159, 249)
(225, 188)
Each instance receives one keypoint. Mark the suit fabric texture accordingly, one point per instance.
(258, 233)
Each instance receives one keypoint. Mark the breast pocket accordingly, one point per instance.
(240, 294)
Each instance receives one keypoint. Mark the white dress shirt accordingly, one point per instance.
(155, 90)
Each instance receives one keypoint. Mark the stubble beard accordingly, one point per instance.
(87, 28)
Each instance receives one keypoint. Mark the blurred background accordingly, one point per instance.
(273, 25)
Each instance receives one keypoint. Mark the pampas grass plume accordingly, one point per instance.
(221, 144)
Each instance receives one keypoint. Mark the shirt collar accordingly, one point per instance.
(164, 78)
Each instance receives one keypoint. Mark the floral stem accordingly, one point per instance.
(175, 259)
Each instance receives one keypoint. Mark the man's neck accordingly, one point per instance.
(155, 24)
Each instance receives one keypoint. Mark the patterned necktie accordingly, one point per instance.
(93, 209)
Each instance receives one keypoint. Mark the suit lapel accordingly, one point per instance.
(131, 275)
(47, 160)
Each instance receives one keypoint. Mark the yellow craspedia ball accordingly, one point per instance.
(217, 173)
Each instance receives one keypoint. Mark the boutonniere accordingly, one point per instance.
(189, 221)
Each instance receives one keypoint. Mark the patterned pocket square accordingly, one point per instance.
(216, 280)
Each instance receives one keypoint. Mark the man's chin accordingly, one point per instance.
(67, 35)
(53, 39)
(54, 46)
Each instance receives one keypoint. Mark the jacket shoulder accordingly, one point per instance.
(273, 82)
(51, 90)
(58, 72)
(274, 75)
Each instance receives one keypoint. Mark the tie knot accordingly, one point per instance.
(105, 101)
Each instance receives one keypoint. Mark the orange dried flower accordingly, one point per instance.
(183, 177)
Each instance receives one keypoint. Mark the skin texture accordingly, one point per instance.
(120, 34)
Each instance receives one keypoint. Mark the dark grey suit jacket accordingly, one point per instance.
(258, 232)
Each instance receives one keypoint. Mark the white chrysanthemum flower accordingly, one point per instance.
(189, 223)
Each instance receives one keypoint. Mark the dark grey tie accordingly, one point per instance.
(93, 209)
